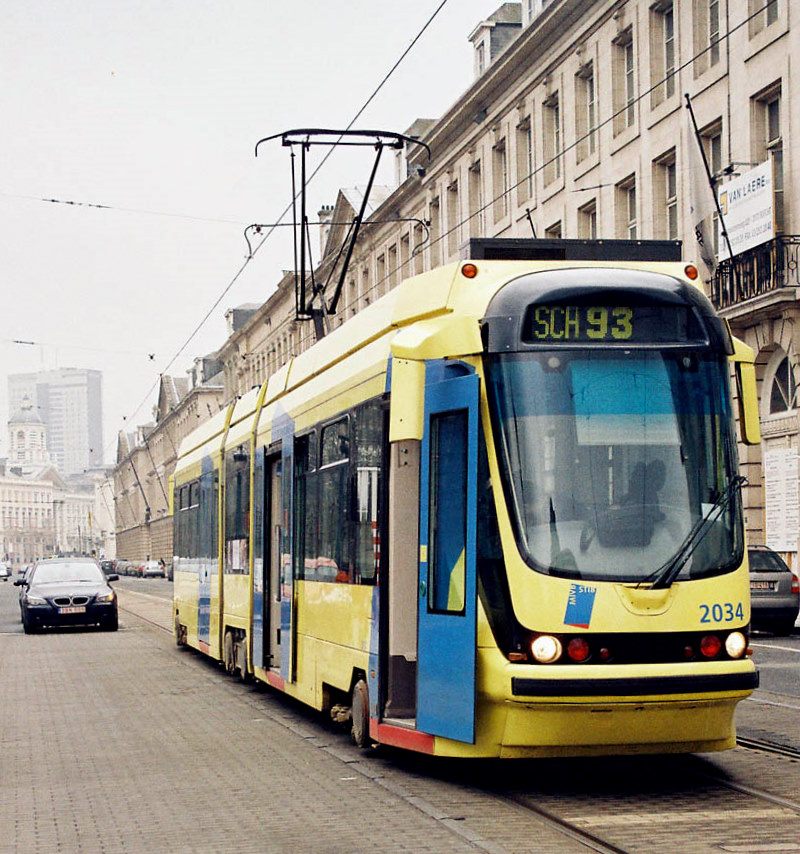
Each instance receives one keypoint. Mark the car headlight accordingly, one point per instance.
(34, 600)
(105, 597)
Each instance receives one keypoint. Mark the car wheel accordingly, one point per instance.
(28, 627)
(112, 624)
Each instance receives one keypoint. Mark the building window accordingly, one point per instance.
(585, 111)
(416, 252)
(524, 161)
(552, 139)
(380, 276)
(453, 217)
(626, 219)
(393, 267)
(624, 81)
(480, 59)
(768, 143)
(706, 25)
(587, 221)
(712, 144)
(762, 13)
(665, 197)
(435, 217)
(713, 31)
(553, 232)
(662, 51)
(500, 180)
(783, 394)
(476, 220)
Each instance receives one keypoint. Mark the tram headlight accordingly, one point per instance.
(546, 649)
(735, 644)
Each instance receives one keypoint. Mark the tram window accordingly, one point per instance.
(369, 430)
(447, 520)
(335, 442)
(237, 512)
(305, 506)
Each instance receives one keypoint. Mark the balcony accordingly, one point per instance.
(762, 276)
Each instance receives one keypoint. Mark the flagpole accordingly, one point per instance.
(712, 183)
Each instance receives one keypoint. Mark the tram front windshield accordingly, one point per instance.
(612, 458)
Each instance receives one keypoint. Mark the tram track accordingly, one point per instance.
(592, 816)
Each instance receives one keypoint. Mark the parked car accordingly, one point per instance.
(5, 572)
(153, 569)
(67, 592)
(774, 591)
(108, 566)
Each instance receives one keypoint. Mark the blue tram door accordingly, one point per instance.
(447, 584)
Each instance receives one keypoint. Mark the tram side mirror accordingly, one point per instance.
(407, 412)
(749, 425)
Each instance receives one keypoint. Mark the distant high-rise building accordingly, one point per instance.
(70, 403)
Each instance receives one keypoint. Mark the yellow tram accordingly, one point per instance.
(496, 513)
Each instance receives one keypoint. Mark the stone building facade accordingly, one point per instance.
(146, 460)
(577, 127)
(41, 514)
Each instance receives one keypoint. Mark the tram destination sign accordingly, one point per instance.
(569, 323)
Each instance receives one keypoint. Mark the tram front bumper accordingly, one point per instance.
(541, 710)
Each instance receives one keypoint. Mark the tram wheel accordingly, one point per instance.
(229, 660)
(360, 714)
(180, 633)
(241, 649)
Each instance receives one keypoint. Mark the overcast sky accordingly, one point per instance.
(153, 109)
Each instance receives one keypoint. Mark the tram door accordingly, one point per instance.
(272, 597)
(447, 584)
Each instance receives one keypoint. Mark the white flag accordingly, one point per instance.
(701, 201)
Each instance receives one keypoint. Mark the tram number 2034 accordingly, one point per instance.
(721, 612)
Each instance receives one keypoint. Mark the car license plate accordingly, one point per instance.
(762, 585)
(73, 609)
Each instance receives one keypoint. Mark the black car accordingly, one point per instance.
(774, 591)
(67, 592)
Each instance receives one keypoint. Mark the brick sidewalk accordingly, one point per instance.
(121, 742)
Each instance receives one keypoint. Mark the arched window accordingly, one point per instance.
(783, 394)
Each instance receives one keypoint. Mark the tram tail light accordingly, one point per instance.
(710, 646)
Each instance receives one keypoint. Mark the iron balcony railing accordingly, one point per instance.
(768, 267)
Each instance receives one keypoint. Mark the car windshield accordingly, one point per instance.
(611, 459)
(51, 573)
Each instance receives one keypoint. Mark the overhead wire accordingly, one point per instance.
(286, 210)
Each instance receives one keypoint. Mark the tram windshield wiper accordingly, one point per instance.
(665, 575)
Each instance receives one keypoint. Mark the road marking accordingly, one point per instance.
(776, 646)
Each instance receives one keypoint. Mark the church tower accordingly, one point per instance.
(27, 440)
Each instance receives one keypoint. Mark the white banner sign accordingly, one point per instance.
(746, 204)
(782, 506)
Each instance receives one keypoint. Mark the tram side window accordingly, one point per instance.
(447, 521)
(334, 560)
(305, 506)
(369, 430)
(237, 512)
(337, 504)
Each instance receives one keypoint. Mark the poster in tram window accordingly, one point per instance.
(747, 208)
(782, 509)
